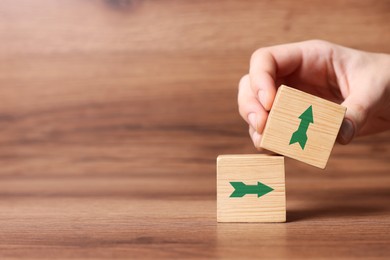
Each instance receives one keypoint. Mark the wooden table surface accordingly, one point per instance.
(112, 114)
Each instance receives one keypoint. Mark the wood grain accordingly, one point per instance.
(284, 121)
(112, 114)
(251, 169)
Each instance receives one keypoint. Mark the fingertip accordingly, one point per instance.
(355, 118)
(263, 86)
(257, 120)
(252, 120)
(262, 97)
(265, 101)
(261, 120)
(347, 132)
(256, 138)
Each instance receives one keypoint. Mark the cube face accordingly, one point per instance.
(302, 126)
(251, 188)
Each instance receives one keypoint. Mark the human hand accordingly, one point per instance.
(358, 80)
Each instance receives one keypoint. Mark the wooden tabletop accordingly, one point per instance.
(112, 114)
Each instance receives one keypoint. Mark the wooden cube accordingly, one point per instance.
(302, 126)
(251, 188)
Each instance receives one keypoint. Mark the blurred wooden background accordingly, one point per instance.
(112, 114)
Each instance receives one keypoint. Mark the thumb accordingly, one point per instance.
(355, 118)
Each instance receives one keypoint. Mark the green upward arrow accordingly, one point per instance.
(300, 136)
(240, 189)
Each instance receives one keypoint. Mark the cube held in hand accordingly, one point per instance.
(302, 126)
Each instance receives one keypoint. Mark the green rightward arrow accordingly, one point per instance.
(241, 189)
(300, 136)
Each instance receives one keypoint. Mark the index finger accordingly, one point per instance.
(270, 63)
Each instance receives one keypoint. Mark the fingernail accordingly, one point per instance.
(256, 139)
(347, 131)
(263, 98)
(252, 120)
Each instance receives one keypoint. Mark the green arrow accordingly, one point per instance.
(240, 189)
(300, 136)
